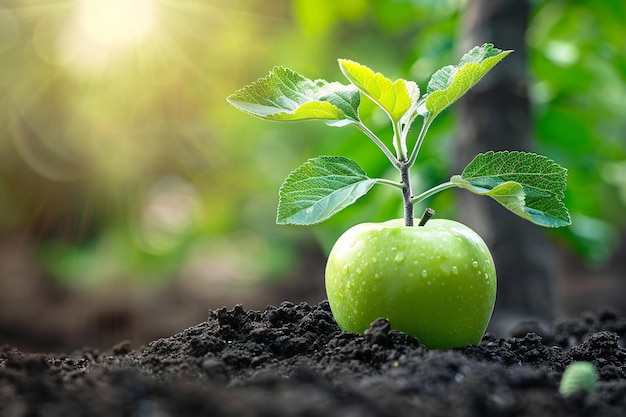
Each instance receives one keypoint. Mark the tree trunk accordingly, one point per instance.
(495, 115)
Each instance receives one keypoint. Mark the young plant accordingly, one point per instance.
(435, 280)
(579, 376)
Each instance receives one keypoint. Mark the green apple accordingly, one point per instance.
(436, 282)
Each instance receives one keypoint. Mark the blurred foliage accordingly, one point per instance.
(578, 59)
(121, 157)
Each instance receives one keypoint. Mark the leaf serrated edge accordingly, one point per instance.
(455, 69)
(559, 169)
(245, 97)
(378, 76)
(254, 84)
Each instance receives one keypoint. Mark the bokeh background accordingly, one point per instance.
(133, 198)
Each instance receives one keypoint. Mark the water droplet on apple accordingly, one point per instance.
(349, 284)
(475, 264)
(346, 269)
(455, 271)
(429, 283)
(377, 275)
(411, 274)
(486, 275)
(374, 259)
(358, 271)
(399, 258)
(352, 243)
(424, 273)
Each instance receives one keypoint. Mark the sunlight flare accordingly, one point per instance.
(100, 30)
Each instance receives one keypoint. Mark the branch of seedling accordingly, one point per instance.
(378, 143)
(529, 185)
(404, 166)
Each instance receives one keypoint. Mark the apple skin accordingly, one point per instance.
(436, 282)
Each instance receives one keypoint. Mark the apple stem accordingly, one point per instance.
(428, 213)
(407, 194)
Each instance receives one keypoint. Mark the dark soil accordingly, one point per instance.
(292, 360)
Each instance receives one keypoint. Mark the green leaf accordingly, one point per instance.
(530, 185)
(396, 98)
(319, 188)
(451, 82)
(285, 95)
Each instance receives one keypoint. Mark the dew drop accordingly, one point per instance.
(377, 275)
(429, 283)
(349, 284)
(424, 273)
(399, 258)
(486, 275)
(411, 274)
(374, 259)
(358, 271)
(346, 269)
(475, 264)
(352, 243)
(455, 271)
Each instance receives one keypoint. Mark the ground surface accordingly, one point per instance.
(293, 360)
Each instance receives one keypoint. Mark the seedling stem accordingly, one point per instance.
(406, 192)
